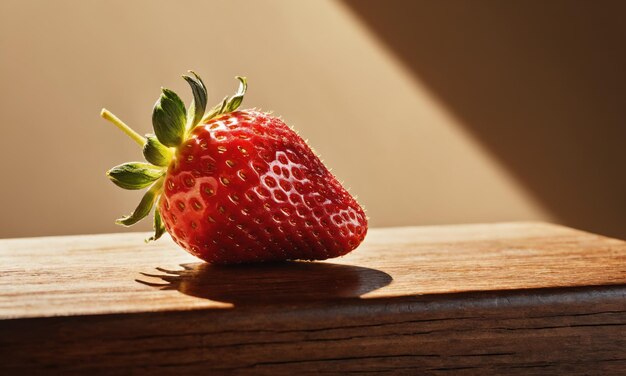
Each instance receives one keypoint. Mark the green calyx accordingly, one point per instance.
(172, 124)
(155, 152)
(134, 175)
(228, 104)
(144, 207)
(168, 118)
(198, 104)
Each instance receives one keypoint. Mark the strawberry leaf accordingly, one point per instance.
(235, 101)
(168, 118)
(134, 175)
(228, 104)
(198, 104)
(144, 207)
(215, 110)
(159, 228)
(155, 152)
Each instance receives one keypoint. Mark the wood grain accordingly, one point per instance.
(509, 298)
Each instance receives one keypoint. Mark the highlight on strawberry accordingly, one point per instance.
(236, 186)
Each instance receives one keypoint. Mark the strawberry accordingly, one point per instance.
(233, 186)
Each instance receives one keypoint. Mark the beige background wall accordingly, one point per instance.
(402, 149)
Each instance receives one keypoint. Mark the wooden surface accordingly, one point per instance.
(510, 298)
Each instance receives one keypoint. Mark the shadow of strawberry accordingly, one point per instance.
(271, 283)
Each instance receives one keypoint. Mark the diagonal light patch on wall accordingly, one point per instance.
(420, 165)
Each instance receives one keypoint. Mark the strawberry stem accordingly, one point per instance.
(108, 115)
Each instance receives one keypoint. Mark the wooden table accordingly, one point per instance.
(509, 298)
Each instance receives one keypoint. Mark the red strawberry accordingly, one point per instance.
(240, 186)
